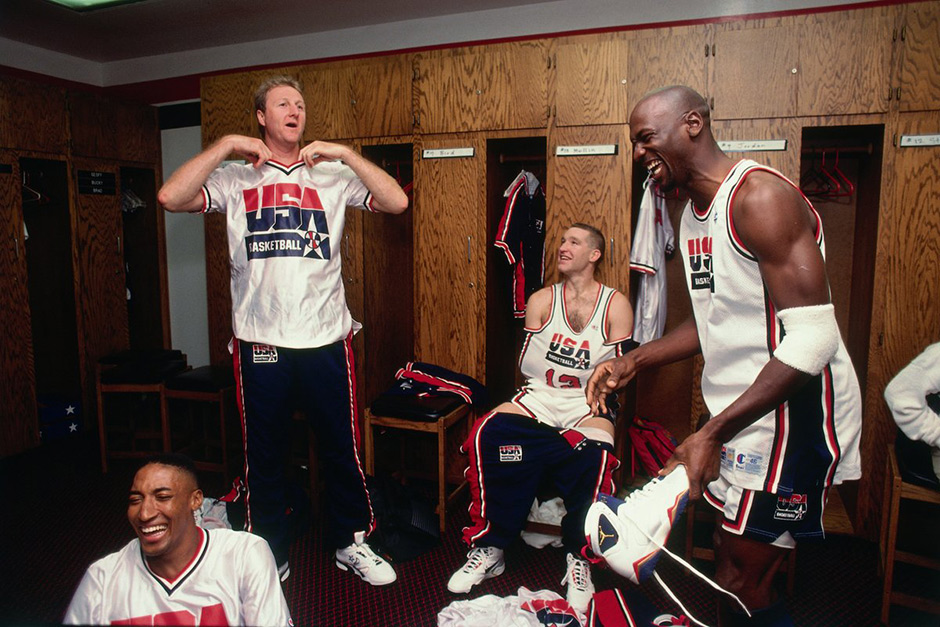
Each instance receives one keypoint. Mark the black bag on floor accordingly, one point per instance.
(406, 523)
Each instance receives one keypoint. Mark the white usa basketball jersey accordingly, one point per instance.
(738, 328)
(232, 580)
(285, 225)
(557, 361)
(652, 240)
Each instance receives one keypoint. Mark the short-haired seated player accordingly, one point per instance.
(174, 572)
(547, 429)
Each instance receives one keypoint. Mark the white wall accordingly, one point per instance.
(186, 257)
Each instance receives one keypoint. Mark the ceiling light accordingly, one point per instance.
(91, 5)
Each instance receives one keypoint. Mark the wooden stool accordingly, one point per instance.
(897, 489)
(212, 385)
(135, 372)
(435, 422)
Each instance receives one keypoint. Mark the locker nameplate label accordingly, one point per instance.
(98, 183)
(447, 153)
(919, 141)
(586, 150)
(6, 168)
(753, 145)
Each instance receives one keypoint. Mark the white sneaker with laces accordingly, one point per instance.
(630, 534)
(361, 560)
(578, 579)
(483, 562)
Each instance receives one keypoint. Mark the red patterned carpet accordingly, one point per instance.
(60, 514)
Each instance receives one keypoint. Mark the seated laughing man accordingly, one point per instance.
(547, 429)
(174, 572)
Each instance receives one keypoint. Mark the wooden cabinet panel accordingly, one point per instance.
(786, 161)
(591, 82)
(919, 74)
(594, 190)
(32, 116)
(756, 72)
(111, 129)
(674, 57)
(906, 291)
(844, 64)
(99, 240)
(497, 87)
(18, 422)
(450, 257)
(381, 96)
(227, 106)
(328, 96)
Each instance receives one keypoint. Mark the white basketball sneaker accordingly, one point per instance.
(483, 562)
(578, 580)
(630, 534)
(361, 560)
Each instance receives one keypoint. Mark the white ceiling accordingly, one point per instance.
(154, 40)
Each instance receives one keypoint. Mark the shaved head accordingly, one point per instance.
(680, 99)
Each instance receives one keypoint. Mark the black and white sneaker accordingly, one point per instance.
(579, 584)
(483, 562)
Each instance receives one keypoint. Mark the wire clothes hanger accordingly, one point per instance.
(33, 195)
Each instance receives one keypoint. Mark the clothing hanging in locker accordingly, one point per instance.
(521, 236)
(653, 240)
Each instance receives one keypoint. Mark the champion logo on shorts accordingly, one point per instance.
(791, 507)
(510, 453)
(263, 354)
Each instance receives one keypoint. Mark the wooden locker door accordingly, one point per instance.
(845, 61)
(786, 161)
(919, 75)
(381, 96)
(328, 96)
(591, 77)
(100, 245)
(18, 421)
(450, 256)
(906, 295)
(227, 106)
(33, 116)
(448, 98)
(672, 57)
(522, 78)
(755, 71)
(594, 190)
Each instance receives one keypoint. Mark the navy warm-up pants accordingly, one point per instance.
(510, 455)
(271, 383)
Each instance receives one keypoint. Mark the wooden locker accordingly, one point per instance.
(32, 116)
(450, 256)
(591, 80)
(917, 86)
(100, 242)
(18, 418)
(593, 189)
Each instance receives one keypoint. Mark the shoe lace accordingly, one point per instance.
(476, 558)
(366, 553)
(578, 573)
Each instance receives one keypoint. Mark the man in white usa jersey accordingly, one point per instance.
(782, 393)
(547, 430)
(175, 573)
(285, 213)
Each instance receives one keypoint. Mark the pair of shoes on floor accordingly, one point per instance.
(629, 534)
(360, 559)
(485, 562)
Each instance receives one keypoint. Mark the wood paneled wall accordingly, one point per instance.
(765, 79)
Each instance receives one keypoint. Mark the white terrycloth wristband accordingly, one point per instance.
(812, 337)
